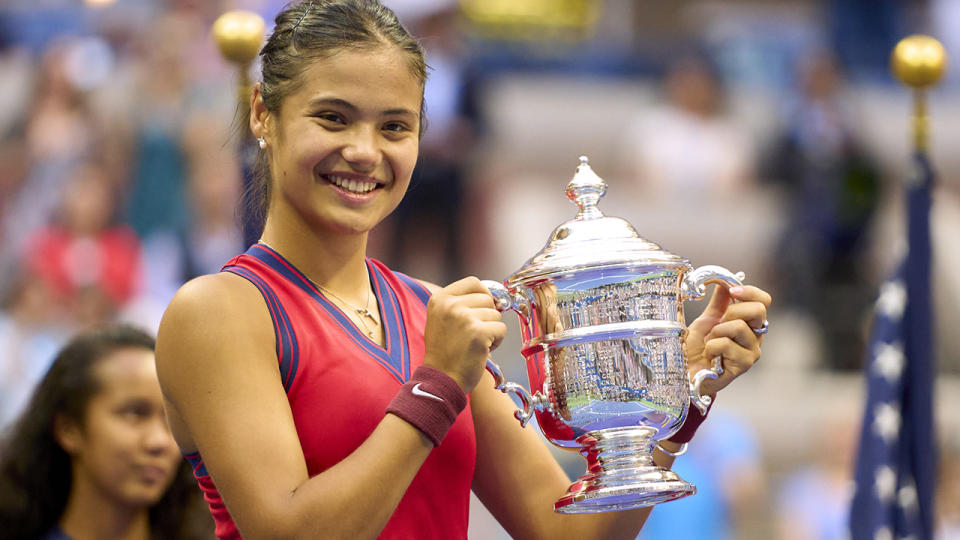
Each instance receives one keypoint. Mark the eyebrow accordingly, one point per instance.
(353, 108)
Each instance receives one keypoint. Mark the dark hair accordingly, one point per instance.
(35, 472)
(305, 31)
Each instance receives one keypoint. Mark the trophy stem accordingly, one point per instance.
(621, 474)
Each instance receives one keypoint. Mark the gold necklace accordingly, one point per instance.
(363, 313)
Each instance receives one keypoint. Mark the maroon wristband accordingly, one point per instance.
(693, 421)
(430, 401)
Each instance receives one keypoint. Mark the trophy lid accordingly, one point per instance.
(591, 239)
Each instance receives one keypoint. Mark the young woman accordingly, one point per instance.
(278, 370)
(92, 456)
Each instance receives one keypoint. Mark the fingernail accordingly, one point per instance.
(736, 290)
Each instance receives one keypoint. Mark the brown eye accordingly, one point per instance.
(135, 411)
(331, 117)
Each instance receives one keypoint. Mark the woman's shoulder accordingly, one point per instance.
(220, 305)
(213, 323)
(214, 292)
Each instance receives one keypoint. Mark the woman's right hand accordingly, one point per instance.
(462, 327)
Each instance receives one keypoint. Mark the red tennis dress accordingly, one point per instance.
(339, 382)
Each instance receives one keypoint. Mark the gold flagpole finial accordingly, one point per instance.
(919, 62)
(239, 35)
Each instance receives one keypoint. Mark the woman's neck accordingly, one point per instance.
(334, 260)
(91, 515)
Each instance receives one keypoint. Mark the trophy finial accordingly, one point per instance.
(918, 61)
(585, 190)
(239, 35)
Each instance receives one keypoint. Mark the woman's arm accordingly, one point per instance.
(218, 368)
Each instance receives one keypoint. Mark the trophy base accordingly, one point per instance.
(621, 474)
(633, 488)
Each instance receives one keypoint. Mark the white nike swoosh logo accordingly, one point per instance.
(418, 392)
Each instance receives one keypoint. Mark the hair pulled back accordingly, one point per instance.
(314, 29)
(35, 472)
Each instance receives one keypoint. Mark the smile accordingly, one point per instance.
(350, 184)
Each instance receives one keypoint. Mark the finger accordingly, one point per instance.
(495, 332)
(736, 364)
(738, 330)
(713, 312)
(749, 293)
(718, 303)
(468, 301)
(474, 300)
(754, 313)
(736, 358)
(487, 314)
(467, 285)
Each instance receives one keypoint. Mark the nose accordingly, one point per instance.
(362, 149)
(157, 437)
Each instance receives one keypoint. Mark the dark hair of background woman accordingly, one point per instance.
(35, 472)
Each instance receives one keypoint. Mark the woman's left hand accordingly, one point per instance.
(726, 329)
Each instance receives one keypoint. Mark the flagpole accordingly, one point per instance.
(239, 35)
(895, 473)
(919, 62)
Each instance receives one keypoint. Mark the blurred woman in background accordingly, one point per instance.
(92, 456)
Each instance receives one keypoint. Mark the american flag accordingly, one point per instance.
(896, 462)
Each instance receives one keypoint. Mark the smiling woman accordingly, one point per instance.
(343, 144)
(320, 394)
(92, 457)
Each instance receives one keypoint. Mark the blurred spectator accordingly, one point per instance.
(214, 235)
(833, 188)
(91, 265)
(948, 491)
(814, 500)
(156, 205)
(724, 463)
(92, 457)
(30, 334)
(57, 131)
(687, 146)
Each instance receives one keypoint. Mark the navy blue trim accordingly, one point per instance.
(396, 330)
(196, 462)
(288, 350)
(415, 287)
(395, 357)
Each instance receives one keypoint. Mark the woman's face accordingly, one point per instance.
(342, 147)
(124, 451)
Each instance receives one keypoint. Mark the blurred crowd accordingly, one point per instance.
(118, 179)
(120, 176)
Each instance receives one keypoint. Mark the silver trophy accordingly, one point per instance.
(601, 319)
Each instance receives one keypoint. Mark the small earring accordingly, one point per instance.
(262, 142)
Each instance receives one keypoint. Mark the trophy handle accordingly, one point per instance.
(503, 301)
(530, 403)
(694, 287)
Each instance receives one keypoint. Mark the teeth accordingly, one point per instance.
(351, 185)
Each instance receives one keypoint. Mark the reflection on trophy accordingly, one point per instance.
(601, 317)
